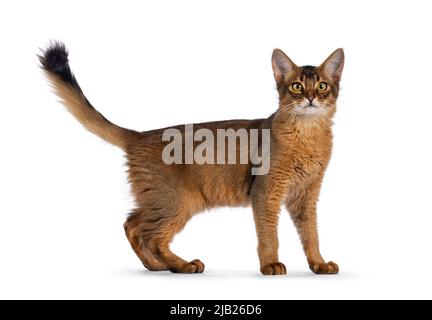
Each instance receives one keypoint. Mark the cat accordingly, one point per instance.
(167, 196)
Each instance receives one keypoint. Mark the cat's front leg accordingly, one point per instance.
(266, 200)
(301, 204)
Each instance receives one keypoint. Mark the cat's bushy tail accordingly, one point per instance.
(54, 61)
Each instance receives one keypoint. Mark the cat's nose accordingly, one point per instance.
(311, 99)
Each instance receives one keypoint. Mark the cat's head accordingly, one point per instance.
(308, 91)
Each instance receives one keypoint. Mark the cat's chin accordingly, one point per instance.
(311, 111)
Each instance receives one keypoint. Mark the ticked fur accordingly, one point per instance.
(167, 196)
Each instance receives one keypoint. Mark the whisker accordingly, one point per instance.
(284, 108)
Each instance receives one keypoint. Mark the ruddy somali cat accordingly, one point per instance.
(167, 196)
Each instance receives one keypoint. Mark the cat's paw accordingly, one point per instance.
(195, 266)
(199, 266)
(276, 268)
(324, 268)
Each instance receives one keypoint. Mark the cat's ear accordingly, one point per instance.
(281, 65)
(334, 64)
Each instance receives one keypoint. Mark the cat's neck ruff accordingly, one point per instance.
(302, 124)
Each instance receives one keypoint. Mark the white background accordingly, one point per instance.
(146, 65)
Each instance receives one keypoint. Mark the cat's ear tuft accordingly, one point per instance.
(334, 64)
(281, 64)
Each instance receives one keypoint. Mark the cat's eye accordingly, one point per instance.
(322, 86)
(297, 87)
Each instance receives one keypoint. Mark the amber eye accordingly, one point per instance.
(297, 87)
(322, 86)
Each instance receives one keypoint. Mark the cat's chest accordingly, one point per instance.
(302, 161)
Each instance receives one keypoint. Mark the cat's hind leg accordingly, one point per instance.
(151, 229)
(134, 228)
(158, 241)
(164, 208)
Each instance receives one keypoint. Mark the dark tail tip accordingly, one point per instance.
(55, 58)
